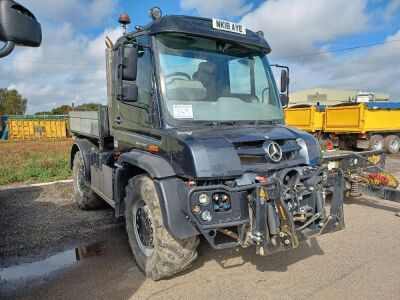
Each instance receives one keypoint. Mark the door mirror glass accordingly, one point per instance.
(18, 26)
(284, 100)
(284, 81)
(129, 63)
(128, 92)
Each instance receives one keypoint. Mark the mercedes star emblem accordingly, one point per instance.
(274, 152)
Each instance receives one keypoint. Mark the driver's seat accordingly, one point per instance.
(206, 74)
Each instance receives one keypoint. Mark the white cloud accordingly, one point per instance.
(219, 8)
(391, 9)
(306, 26)
(68, 67)
(293, 27)
(374, 69)
(80, 13)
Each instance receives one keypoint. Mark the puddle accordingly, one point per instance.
(51, 264)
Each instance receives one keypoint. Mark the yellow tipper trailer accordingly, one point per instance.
(363, 118)
(37, 127)
(370, 125)
(309, 118)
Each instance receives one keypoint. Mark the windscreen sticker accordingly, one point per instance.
(183, 111)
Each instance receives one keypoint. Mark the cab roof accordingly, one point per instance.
(203, 27)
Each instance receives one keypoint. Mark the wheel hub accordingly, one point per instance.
(377, 145)
(394, 144)
(144, 228)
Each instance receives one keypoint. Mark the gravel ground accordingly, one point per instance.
(37, 218)
(360, 262)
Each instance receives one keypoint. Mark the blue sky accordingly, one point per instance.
(69, 67)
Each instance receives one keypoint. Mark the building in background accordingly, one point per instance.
(332, 96)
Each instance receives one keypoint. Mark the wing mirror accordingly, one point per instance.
(128, 92)
(129, 63)
(284, 81)
(18, 26)
(284, 100)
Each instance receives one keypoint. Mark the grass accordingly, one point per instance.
(34, 161)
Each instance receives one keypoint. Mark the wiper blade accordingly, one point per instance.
(264, 122)
(220, 123)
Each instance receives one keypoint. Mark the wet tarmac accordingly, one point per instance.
(50, 264)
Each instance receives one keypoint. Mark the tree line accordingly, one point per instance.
(13, 103)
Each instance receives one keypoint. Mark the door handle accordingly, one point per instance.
(118, 120)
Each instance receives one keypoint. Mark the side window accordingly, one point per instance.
(261, 81)
(239, 76)
(143, 78)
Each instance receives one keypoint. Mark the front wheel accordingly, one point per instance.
(156, 251)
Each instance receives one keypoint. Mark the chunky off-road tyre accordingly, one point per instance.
(392, 143)
(156, 251)
(376, 142)
(84, 196)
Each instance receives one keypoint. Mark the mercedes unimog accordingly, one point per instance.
(192, 143)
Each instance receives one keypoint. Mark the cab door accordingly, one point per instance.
(129, 117)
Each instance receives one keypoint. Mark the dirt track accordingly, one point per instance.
(362, 261)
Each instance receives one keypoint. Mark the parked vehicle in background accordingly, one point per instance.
(366, 126)
(370, 125)
(192, 142)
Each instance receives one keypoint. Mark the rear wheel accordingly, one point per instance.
(84, 196)
(376, 142)
(392, 143)
(156, 251)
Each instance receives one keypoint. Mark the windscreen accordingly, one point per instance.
(209, 80)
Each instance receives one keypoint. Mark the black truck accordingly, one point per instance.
(193, 143)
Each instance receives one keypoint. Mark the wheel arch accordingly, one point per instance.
(136, 163)
(85, 147)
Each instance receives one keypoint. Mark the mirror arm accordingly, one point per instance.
(7, 49)
(135, 44)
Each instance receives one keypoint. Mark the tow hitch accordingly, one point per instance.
(276, 229)
(270, 215)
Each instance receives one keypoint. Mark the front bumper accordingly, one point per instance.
(261, 216)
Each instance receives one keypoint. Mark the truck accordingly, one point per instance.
(369, 125)
(192, 143)
(309, 118)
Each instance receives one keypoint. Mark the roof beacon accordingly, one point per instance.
(124, 20)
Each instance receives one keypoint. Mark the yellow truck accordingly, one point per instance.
(371, 125)
(309, 118)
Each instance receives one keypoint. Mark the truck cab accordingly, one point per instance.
(193, 142)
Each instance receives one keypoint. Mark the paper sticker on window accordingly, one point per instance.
(183, 111)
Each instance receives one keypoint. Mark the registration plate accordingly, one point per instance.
(228, 26)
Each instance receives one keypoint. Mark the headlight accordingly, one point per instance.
(203, 199)
(155, 13)
(206, 215)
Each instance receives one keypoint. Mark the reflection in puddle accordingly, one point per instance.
(52, 263)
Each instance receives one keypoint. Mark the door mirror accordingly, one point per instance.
(284, 81)
(18, 26)
(129, 63)
(128, 93)
(284, 100)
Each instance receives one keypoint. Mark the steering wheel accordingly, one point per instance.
(173, 74)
